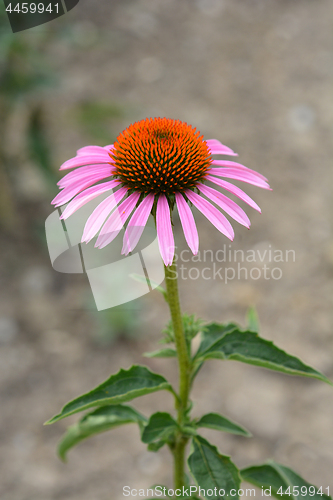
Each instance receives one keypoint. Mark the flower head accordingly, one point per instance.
(154, 165)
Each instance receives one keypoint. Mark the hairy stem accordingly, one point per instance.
(184, 371)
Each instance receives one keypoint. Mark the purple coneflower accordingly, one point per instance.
(155, 164)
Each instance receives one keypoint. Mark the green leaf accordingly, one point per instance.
(279, 477)
(249, 348)
(159, 427)
(219, 423)
(212, 333)
(100, 420)
(161, 353)
(119, 388)
(252, 320)
(212, 470)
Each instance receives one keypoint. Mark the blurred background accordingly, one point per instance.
(254, 74)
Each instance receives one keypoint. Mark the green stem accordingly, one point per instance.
(184, 371)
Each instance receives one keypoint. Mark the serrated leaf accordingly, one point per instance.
(276, 476)
(159, 427)
(220, 423)
(100, 420)
(161, 353)
(249, 348)
(212, 470)
(119, 388)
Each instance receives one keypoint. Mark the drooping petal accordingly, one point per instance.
(86, 196)
(165, 238)
(86, 159)
(98, 216)
(229, 206)
(83, 172)
(137, 224)
(188, 223)
(231, 188)
(116, 220)
(213, 215)
(240, 175)
(217, 148)
(233, 164)
(73, 189)
(87, 150)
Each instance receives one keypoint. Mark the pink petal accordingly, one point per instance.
(137, 224)
(226, 204)
(82, 172)
(217, 148)
(79, 161)
(86, 196)
(224, 163)
(166, 242)
(73, 189)
(98, 216)
(188, 223)
(87, 150)
(234, 190)
(116, 220)
(213, 215)
(240, 175)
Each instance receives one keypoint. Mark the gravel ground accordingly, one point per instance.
(257, 75)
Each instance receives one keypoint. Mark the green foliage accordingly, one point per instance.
(100, 420)
(168, 332)
(212, 470)
(283, 481)
(159, 428)
(220, 423)
(248, 347)
(192, 326)
(119, 388)
(212, 333)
